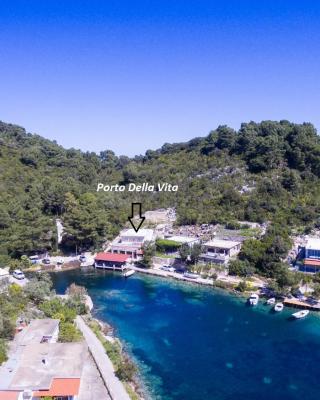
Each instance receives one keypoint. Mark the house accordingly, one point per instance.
(39, 368)
(220, 251)
(130, 242)
(110, 260)
(312, 255)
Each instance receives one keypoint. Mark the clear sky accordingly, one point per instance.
(132, 75)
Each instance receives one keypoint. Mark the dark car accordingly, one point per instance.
(181, 270)
(46, 261)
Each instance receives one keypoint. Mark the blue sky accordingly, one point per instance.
(132, 75)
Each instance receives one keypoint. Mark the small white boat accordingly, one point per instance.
(300, 314)
(128, 273)
(253, 300)
(278, 307)
(271, 301)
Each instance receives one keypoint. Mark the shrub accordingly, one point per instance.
(166, 245)
(126, 370)
(69, 333)
(3, 351)
(233, 225)
(242, 286)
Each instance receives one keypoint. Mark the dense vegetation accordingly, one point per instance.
(37, 300)
(268, 171)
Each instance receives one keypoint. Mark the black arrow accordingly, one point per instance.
(136, 223)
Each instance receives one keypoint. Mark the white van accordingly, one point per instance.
(18, 274)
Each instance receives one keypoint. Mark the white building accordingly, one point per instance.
(130, 242)
(220, 251)
(38, 367)
(313, 248)
(312, 255)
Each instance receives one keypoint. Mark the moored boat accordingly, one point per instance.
(300, 314)
(278, 307)
(271, 301)
(253, 300)
(128, 273)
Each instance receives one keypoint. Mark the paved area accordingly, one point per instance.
(92, 386)
(41, 362)
(115, 387)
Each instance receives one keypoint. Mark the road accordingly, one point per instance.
(115, 387)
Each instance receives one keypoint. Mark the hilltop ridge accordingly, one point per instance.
(266, 171)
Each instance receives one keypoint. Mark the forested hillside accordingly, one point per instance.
(268, 171)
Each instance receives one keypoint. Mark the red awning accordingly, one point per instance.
(312, 262)
(112, 257)
(61, 387)
(7, 395)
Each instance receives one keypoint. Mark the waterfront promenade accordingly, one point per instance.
(231, 280)
(115, 387)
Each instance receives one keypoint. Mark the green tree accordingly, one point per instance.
(38, 288)
(195, 252)
(240, 268)
(149, 251)
(184, 252)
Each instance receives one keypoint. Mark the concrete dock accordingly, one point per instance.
(113, 384)
(301, 304)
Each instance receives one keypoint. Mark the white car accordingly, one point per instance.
(167, 268)
(18, 274)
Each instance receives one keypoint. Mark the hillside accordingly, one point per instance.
(268, 171)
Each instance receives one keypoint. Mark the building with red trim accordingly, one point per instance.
(39, 368)
(131, 243)
(110, 260)
(312, 255)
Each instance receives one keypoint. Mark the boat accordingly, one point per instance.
(271, 301)
(253, 299)
(300, 314)
(128, 273)
(278, 307)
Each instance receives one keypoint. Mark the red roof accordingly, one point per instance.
(112, 257)
(310, 261)
(7, 395)
(61, 387)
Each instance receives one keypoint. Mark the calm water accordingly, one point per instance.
(195, 343)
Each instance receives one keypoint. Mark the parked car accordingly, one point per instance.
(34, 259)
(46, 261)
(167, 268)
(180, 270)
(191, 275)
(82, 259)
(18, 274)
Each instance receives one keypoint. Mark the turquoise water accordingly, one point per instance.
(195, 343)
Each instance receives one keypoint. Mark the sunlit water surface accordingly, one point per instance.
(195, 343)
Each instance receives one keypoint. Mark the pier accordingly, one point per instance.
(301, 304)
